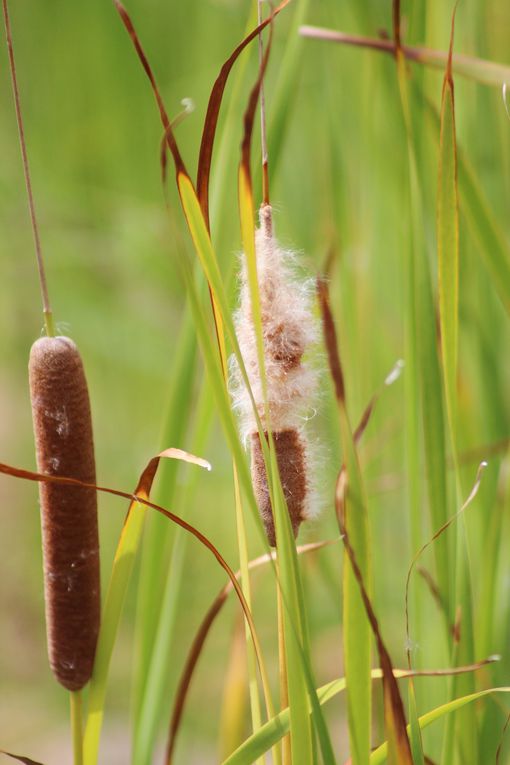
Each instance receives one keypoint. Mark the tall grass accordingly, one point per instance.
(374, 168)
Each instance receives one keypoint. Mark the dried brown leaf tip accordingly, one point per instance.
(289, 330)
(64, 447)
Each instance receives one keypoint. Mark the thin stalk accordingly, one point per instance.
(263, 129)
(77, 726)
(48, 314)
(284, 689)
(481, 70)
(256, 719)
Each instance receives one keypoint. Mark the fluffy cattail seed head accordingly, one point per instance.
(289, 329)
(64, 446)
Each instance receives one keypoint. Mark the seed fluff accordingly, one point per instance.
(289, 331)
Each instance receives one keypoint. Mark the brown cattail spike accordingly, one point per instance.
(290, 455)
(64, 446)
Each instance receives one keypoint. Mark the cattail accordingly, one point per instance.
(64, 446)
(288, 330)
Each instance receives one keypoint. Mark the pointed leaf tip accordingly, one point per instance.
(180, 454)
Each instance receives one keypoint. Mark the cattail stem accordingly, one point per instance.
(48, 315)
(282, 665)
(77, 726)
(263, 130)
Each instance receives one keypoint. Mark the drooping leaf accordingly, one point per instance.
(198, 642)
(213, 109)
(141, 499)
(20, 758)
(379, 755)
(486, 72)
(272, 731)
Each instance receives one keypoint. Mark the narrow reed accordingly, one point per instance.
(64, 446)
(289, 329)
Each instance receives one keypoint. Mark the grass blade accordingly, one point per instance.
(356, 627)
(201, 636)
(424, 395)
(213, 110)
(484, 227)
(30, 475)
(380, 754)
(272, 731)
(448, 241)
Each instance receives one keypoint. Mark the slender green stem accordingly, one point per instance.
(77, 726)
(284, 690)
(256, 719)
(48, 316)
(49, 324)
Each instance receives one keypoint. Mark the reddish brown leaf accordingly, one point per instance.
(330, 339)
(200, 638)
(169, 134)
(394, 708)
(145, 481)
(249, 115)
(20, 758)
(213, 109)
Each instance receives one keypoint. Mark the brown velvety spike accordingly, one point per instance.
(290, 455)
(64, 447)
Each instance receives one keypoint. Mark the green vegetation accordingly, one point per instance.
(387, 175)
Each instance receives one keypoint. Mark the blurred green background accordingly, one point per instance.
(339, 180)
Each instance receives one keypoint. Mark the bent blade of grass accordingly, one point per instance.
(30, 475)
(213, 109)
(121, 572)
(202, 633)
(20, 758)
(380, 754)
(273, 730)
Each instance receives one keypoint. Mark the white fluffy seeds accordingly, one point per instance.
(289, 329)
